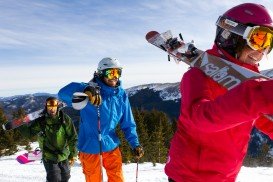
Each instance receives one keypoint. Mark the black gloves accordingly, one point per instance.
(139, 152)
(94, 95)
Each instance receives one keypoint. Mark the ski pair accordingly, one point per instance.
(28, 118)
(225, 73)
(15, 123)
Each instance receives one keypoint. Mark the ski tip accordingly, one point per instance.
(151, 34)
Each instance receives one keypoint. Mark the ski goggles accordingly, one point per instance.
(258, 38)
(112, 73)
(52, 104)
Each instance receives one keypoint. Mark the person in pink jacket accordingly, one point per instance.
(215, 124)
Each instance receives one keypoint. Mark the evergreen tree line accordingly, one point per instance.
(262, 159)
(155, 130)
(9, 140)
(153, 127)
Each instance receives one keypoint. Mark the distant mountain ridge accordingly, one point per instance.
(161, 92)
(167, 91)
(29, 102)
(160, 96)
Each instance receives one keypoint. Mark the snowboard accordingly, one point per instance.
(30, 156)
(222, 71)
(15, 123)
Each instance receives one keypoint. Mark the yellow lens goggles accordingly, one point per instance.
(112, 73)
(259, 38)
(52, 103)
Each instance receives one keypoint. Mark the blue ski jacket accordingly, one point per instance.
(115, 109)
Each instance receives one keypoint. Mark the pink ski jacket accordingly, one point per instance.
(214, 126)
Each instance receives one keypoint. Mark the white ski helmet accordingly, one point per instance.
(108, 62)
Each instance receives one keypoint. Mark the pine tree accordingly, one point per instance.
(7, 143)
(124, 147)
(18, 137)
(142, 132)
(158, 141)
(11, 138)
(264, 158)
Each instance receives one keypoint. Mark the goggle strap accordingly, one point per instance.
(247, 32)
(231, 26)
(239, 29)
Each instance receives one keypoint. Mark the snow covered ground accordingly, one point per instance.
(12, 171)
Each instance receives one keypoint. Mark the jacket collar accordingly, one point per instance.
(107, 90)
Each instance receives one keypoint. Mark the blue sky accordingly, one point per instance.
(45, 45)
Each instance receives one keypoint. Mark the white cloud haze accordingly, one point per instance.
(47, 44)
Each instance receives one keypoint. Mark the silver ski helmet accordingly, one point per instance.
(107, 63)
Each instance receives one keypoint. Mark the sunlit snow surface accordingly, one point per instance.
(11, 170)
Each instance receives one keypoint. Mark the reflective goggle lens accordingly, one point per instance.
(260, 38)
(52, 103)
(112, 73)
(257, 37)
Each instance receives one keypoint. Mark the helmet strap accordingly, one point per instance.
(97, 74)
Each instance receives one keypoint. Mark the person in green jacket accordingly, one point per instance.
(57, 140)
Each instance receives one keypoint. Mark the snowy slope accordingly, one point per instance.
(12, 171)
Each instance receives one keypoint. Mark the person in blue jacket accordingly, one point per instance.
(108, 105)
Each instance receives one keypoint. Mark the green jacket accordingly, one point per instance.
(57, 136)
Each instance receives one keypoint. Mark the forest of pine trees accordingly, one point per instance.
(155, 130)
(153, 127)
(9, 140)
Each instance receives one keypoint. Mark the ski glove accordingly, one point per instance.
(94, 95)
(139, 152)
(72, 161)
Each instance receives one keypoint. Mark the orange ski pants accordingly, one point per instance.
(112, 163)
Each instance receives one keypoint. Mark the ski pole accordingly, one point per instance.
(137, 170)
(100, 142)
